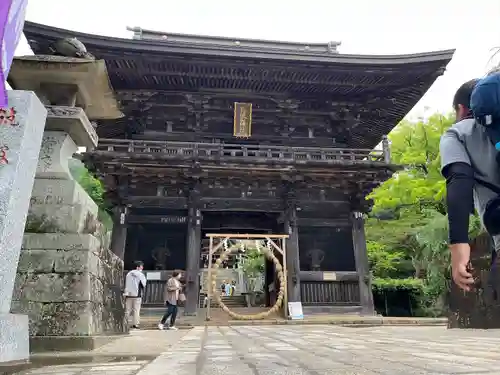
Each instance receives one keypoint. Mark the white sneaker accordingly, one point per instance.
(173, 328)
(161, 327)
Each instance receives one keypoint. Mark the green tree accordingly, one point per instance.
(408, 227)
(253, 266)
(416, 146)
(254, 263)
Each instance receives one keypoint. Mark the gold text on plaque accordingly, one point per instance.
(242, 120)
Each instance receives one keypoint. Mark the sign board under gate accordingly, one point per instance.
(295, 310)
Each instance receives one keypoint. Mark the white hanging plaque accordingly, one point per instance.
(153, 276)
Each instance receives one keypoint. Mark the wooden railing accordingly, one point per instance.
(322, 293)
(313, 293)
(154, 292)
(236, 152)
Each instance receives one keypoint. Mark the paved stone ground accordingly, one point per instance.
(141, 343)
(314, 350)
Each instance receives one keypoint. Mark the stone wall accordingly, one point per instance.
(69, 285)
(68, 281)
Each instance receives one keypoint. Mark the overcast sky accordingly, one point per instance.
(363, 27)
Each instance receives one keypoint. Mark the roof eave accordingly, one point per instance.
(160, 47)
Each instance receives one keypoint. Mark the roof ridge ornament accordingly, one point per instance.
(333, 46)
(138, 31)
(70, 47)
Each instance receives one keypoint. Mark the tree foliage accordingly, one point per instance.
(407, 231)
(416, 146)
(254, 263)
(94, 189)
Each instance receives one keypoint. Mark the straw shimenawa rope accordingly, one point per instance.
(279, 271)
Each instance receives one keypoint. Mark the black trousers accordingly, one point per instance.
(170, 313)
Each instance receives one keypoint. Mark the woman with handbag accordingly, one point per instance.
(173, 294)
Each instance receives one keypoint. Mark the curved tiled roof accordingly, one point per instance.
(383, 88)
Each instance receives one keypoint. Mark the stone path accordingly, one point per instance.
(140, 343)
(314, 350)
(110, 368)
(318, 350)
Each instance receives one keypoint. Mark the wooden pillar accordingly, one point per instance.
(119, 234)
(386, 147)
(134, 234)
(362, 265)
(193, 253)
(292, 248)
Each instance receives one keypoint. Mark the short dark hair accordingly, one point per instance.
(175, 273)
(463, 94)
(138, 264)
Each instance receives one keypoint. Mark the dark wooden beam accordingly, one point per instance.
(170, 203)
(238, 204)
(156, 219)
(332, 276)
(323, 222)
(293, 140)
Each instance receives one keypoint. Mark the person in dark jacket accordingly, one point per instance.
(467, 155)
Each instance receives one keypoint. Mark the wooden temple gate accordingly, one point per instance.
(282, 133)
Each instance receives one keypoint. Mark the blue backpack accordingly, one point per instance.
(485, 106)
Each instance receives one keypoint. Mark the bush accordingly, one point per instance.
(94, 189)
(397, 297)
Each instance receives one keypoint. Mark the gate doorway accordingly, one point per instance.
(221, 246)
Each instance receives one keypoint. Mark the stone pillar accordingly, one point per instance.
(292, 248)
(193, 254)
(68, 281)
(119, 234)
(362, 265)
(21, 132)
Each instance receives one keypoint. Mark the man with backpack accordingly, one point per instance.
(469, 164)
(135, 284)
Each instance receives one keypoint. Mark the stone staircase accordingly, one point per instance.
(234, 301)
(229, 301)
(222, 275)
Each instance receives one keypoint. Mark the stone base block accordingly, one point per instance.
(14, 338)
(61, 206)
(65, 192)
(42, 344)
(69, 285)
(74, 121)
(74, 318)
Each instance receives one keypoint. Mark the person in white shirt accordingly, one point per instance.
(135, 284)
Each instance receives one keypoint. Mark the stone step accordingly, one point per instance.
(233, 301)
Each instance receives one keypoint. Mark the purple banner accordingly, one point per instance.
(12, 14)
